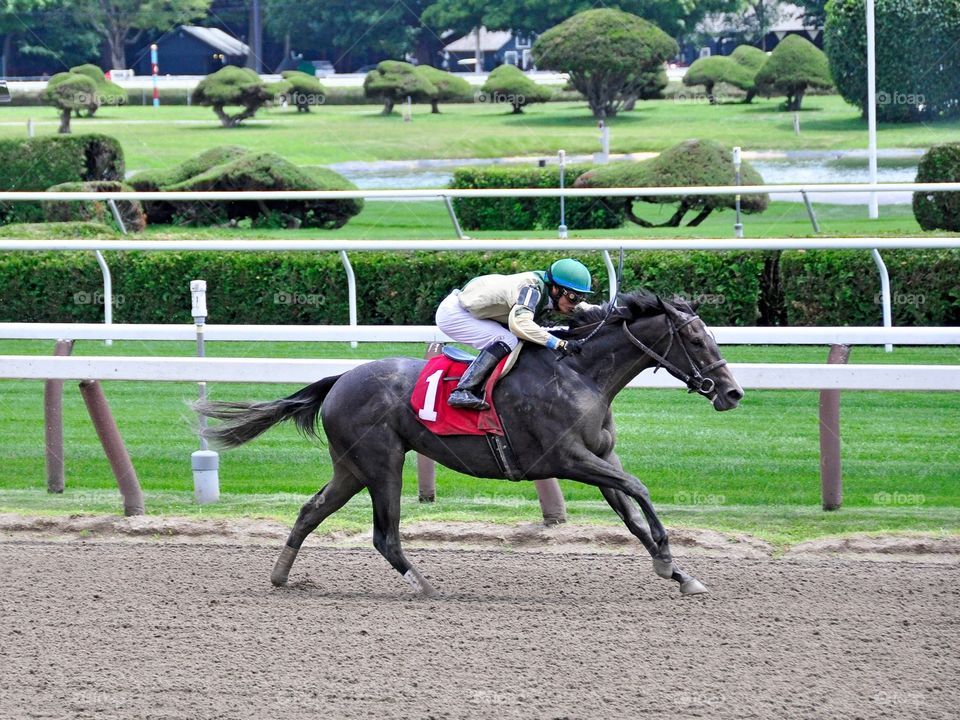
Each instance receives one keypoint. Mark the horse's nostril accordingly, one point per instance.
(735, 394)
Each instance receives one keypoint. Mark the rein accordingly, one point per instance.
(695, 381)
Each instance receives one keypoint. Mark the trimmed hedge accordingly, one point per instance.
(820, 288)
(131, 211)
(39, 163)
(528, 213)
(939, 210)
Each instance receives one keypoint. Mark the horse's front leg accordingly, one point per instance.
(619, 489)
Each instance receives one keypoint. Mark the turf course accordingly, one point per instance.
(754, 469)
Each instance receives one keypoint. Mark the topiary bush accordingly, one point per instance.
(716, 69)
(304, 91)
(393, 81)
(750, 59)
(70, 93)
(232, 86)
(266, 171)
(693, 162)
(108, 92)
(450, 88)
(795, 65)
(917, 55)
(527, 213)
(612, 57)
(38, 163)
(508, 84)
(938, 210)
(131, 211)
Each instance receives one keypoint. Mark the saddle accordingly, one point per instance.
(437, 380)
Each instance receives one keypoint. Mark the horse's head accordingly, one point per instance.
(673, 336)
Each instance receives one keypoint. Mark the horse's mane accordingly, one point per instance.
(629, 306)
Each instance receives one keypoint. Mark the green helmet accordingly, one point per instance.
(571, 274)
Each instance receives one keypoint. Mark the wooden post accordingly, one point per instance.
(53, 424)
(427, 468)
(831, 477)
(113, 446)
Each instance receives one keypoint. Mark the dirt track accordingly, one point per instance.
(155, 630)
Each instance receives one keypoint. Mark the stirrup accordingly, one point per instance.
(466, 400)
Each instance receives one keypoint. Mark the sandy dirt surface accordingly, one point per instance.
(101, 628)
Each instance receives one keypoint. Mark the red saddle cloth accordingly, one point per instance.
(429, 400)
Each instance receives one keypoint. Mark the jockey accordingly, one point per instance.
(494, 312)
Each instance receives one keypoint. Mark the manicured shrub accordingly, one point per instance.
(612, 57)
(795, 65)
(450, 88)
(58, 230)
(693, 162)
(393, 82)
(750, 60)
(716, 69)
(232, 86)
(917, 56)
(508, 84)
(131, 211)
(304, 91)
(108, 93)
(266, 171)
(39, 163)
(938, 210)
(70, 93)
(527, 213)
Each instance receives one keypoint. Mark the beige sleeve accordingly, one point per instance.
(521, 324)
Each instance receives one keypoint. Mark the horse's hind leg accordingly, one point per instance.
(385, 494)
(333, 496)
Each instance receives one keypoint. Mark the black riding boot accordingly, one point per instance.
(469, 392)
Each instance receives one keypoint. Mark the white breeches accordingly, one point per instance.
(454, 320)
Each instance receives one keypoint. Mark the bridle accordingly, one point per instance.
(695, 380)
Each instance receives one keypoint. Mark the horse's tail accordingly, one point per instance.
(245, 421)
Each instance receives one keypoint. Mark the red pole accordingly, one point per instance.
(113, 446)
(53, 424)
(427, 468)
(831, 476)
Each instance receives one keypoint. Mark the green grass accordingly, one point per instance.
(159, 138)
(752, 470)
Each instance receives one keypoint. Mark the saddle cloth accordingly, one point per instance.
(429, 400)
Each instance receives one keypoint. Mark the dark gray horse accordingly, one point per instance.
(556, 414)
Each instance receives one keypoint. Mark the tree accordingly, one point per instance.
(795, 65)
(814, 12)
(305, 90)
(450, 88)
(610, 56)
(393, 81)
(751, 59)
(232, 86)
(939, 210)
(508, 84)
(711, 71)
(918, 57)
(107, 93)
(120, 22)
(69, 93)
(693, 162)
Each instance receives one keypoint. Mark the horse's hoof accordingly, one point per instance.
(419, 584)
(693, 587)
(281, 570)
(663, 568)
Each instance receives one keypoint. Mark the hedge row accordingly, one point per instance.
(817, 288)
(527, 213)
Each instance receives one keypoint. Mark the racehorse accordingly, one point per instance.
(556, 412)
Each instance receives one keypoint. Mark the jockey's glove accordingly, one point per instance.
(569, 347)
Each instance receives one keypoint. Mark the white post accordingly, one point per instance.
(604, 142)
(204, 462)
(107, 292)
(562, 229)
(29, 127)
(738, 226)
(872, 104)
(408, 110)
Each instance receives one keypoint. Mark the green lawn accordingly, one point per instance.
(159, 138)
(754, 469)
